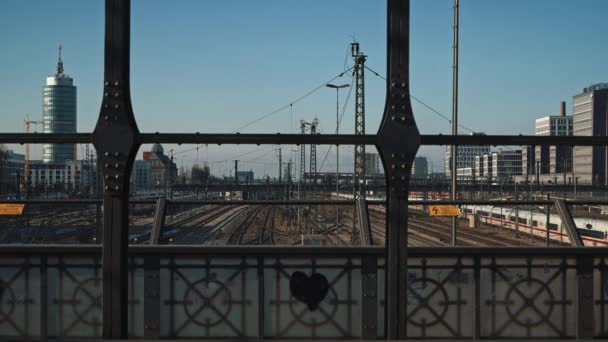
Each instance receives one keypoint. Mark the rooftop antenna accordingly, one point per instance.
(59, 64)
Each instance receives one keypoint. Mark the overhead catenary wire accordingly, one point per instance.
(344, 106)
(423, 103)
(429, 107)
(289, 105)
(260, 118)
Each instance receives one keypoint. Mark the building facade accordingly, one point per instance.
(465, 156)
(163, 171)
(590, 109)
(553, 159)
(141, 175)
(372, 164)
(58, 114)
(506, 165)
(245, 177)
(420, 168)
(12, 169)
(59, 177)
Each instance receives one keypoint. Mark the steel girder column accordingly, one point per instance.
(116, 140)
(398, 142)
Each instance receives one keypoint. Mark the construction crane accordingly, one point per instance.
(26, 172)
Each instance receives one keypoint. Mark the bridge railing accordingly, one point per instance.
(248, 292)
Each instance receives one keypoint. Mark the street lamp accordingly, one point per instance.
(337, 87)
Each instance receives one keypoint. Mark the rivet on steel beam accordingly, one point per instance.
(116, 188)
(116, 106)
(116, 154)
(393, 118)
(116, 177)
(107, 165)
(116, 165)
(107, 154)
(106, 118)
(403, 166)
(115, 117)
(107, 188)
(393, 166)
(393, 84)
(106, 94)
(403, 85)
(107, 83)
(116, 83)
(105, 105)
(116, 94)
(393, 155)
(107, 177)
(402, 177)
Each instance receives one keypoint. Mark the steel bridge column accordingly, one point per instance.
(398, 142)
(116, 140)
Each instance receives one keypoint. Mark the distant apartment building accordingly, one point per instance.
(590, 109)
(420, 168)
(506, 165)
(465, 156)
(372, 164)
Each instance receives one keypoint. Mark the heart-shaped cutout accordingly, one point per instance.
(309, 290)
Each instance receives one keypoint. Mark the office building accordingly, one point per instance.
(589, 115)
(552, 159)
(420, 168)
(12, 166)
(141, 175)
(465, 156)
(487, 166)
(58, 177)
(59, 114)
(372, 164)
(506, 165)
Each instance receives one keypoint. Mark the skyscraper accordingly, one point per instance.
(58, 114)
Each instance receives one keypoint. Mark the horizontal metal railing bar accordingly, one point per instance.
(32, 250)
(504, 203)
(257, 139)
(306, 251)
(46, 138)
(309, 202)
(295, 139)
(515, 140)
(515, 252)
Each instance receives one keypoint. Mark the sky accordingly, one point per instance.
(214, 66)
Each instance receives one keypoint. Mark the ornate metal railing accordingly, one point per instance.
(227, 292)
(63, 285)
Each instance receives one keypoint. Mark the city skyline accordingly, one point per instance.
(198, 85)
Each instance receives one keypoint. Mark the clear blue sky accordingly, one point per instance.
(212, 66)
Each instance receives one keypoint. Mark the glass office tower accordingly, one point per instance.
(58, 114)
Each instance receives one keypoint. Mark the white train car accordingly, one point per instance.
(593, 232)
